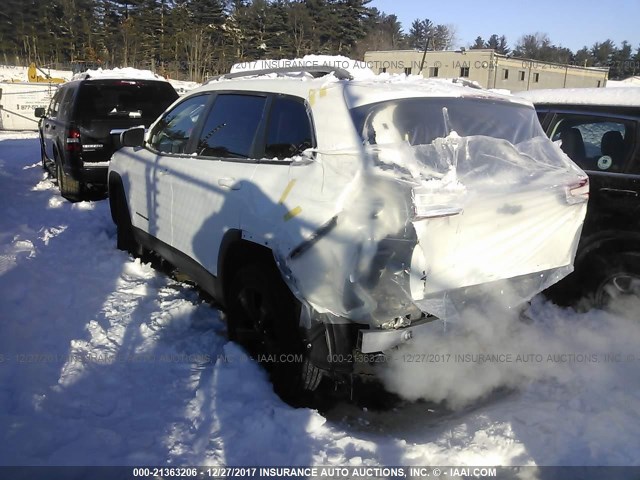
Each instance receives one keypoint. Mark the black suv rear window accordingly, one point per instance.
(117, 99)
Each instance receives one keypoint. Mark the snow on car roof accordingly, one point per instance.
(127, 72)
(371, 87)
(361, 92)
(618, 97)
(387, 87)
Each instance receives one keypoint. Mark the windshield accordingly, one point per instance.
(419, 121)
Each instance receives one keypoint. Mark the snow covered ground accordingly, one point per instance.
(105, 361)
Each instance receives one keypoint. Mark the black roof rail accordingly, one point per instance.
(315, 70)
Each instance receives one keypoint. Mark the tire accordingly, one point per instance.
(263, 316)
(125, 239)
(43, 159)
(70, 188)
(618, 281)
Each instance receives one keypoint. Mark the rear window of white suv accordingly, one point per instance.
(419, 121)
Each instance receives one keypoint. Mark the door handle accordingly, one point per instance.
(614, 192)
(229, 182)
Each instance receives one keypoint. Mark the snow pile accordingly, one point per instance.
(183, 87)
(627, 97)
(627, 82)
(126, 72)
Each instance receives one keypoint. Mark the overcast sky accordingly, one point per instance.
(572, 23)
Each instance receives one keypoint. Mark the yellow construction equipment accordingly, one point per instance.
(32, 76)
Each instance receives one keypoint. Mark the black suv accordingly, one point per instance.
(599, 129)
(80, 129)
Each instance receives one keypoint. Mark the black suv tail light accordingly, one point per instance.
(578, 192)
(73, 140)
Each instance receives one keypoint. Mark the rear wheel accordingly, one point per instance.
(263, 316)
(70, 188)
(616, 283)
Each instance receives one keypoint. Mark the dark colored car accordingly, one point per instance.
(599, 130)
(80, 129)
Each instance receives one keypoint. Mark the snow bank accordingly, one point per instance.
(626, 97)
(627, 82)
(183, 87)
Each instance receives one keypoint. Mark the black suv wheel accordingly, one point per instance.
(617, 282)
(70, 188)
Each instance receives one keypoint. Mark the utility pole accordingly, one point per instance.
(424, 54)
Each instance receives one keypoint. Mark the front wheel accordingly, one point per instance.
(263, 316)
(43, 159)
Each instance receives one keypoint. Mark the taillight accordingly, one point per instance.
(578, 192)
(73, 140)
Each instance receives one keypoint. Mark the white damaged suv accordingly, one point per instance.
(331, 218)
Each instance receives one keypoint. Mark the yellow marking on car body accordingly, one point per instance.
(292, 213)
(286, 191)
(312, 97)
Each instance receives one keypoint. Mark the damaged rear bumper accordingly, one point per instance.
(379, 340)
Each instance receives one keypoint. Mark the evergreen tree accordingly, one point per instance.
(602, 53)
(621, 65)
(420, 32)
(583, 58)
(478, 44)
(499, 44)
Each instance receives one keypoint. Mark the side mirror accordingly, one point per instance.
(40, 112)
(133, 137)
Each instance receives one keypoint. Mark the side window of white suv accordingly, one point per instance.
(230, 130)
(172, 133)
(289, 130)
